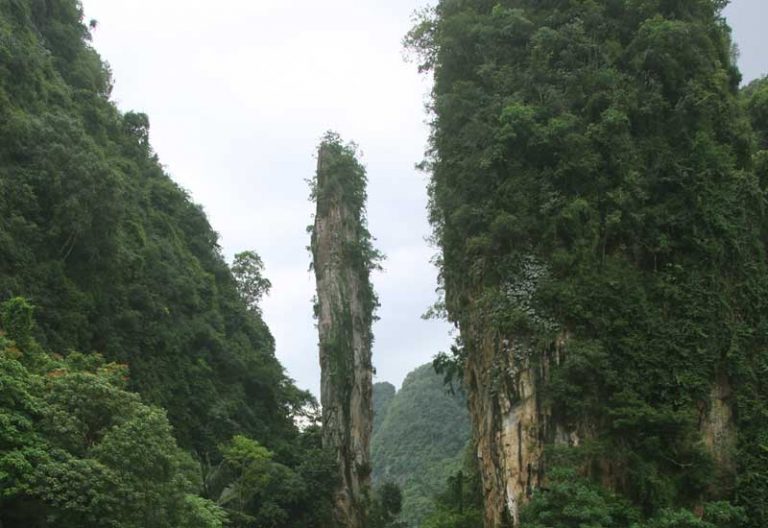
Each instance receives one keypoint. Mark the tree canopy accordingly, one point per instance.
(79, 450)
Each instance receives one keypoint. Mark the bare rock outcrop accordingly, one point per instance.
(342, 260)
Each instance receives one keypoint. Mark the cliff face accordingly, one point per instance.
(597, 251)
(510, 424)
(509, 447)
(345, 303)
(514, 426)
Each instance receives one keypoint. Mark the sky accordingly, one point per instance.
(239, 93)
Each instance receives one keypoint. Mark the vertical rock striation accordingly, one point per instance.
(511, 421)
(508, 431)
(343, 258)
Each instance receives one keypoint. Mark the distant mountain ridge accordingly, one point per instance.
(419, 436)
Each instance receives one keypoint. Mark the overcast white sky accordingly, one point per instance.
(239, 93)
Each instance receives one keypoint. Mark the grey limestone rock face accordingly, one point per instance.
(344, 317)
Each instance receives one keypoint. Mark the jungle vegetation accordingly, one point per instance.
(598, 180)
(597, 172)
(139, 386)
(420, 435)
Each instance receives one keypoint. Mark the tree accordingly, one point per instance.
(459, 503)
(569, 501)
(386, 506)
(248, 270)
(258, 491)
(78, 450)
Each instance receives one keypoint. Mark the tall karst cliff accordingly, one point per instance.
(343, 258)
(601, 229)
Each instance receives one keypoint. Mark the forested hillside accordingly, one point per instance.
(598, 195)
(755, 101)
(383, 394)
(137, 375)
(111, 252)
(419, 439)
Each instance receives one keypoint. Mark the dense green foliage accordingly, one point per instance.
(459, 503)
(571, 501)
(258, 490)
(385, 508)
(78, 450)
(755, 99)
(115, 256)
(595, 179)
(383, 394)
(135, 310)
(419, 439)
(252, 285)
